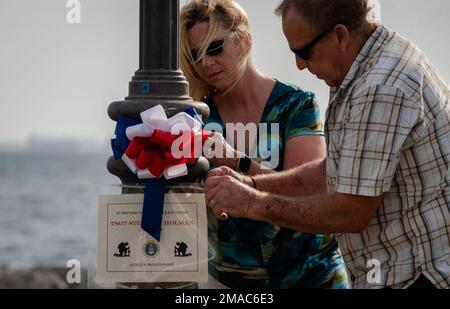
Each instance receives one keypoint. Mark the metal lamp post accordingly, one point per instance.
(158, 81)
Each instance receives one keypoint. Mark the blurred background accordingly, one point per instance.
(56, 82)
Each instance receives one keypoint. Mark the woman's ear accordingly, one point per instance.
(249, 40)
(246, 41)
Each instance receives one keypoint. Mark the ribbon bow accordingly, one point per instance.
(159, 146)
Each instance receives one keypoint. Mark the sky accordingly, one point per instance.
(57, 79)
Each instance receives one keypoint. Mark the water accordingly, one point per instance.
(48, 206)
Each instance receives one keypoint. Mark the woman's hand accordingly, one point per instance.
(219, 152)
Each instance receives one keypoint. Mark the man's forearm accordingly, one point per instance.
(316, 214)
(303, 180)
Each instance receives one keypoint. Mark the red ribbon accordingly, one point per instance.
(154, 153)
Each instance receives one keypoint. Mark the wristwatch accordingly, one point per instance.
(243, 164)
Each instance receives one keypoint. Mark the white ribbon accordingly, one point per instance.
(153, 119)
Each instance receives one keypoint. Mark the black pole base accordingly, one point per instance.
(172, 105)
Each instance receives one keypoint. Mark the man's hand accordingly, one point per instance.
(226, 195)
(226, 171)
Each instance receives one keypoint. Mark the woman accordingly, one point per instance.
(215, 56)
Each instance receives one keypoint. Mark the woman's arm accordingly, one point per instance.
(220, 153)
(298, 151)
(303, 149)
(307, 151)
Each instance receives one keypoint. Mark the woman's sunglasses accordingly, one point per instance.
(214, 49)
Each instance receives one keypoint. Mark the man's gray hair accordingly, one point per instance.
(323, 15)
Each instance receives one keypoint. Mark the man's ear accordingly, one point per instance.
(343, 36)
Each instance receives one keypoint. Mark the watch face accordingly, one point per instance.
(244, 164)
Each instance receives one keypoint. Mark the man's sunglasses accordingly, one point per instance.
(214, 49)
(305, 52)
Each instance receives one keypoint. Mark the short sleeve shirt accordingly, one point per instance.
(388, 134)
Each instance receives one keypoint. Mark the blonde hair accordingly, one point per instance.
(221, 15)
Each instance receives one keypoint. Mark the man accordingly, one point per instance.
(384, 186)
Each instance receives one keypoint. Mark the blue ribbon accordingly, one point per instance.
(120, 143)
(193, 113)
(155, 189)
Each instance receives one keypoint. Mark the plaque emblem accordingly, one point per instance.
(151, 249)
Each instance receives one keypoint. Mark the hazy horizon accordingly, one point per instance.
(57, 79)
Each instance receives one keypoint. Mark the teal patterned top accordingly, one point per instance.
(251, 254)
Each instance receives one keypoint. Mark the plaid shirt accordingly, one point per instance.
(388, 134)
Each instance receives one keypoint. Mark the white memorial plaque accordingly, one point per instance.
(128, 254)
